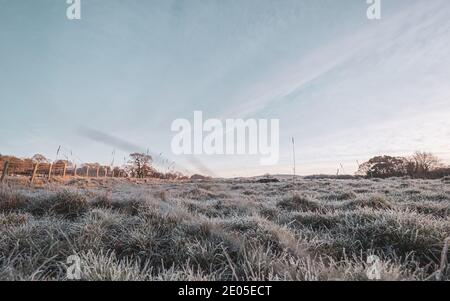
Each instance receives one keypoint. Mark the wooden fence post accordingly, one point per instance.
(5, 171)
(64, 170)
(106, 172)
(75, 171)
(50, 171)
(87, 171)
(98, 168)
(36, 166)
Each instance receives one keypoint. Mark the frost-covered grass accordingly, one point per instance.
(225, 229)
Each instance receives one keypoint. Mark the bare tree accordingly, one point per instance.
(425, 162)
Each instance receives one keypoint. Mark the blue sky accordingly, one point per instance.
(345, 87)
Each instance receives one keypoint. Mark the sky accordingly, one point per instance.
(345, 87)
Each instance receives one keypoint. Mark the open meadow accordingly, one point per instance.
(239, 229)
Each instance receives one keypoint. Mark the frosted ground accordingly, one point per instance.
(240, 229)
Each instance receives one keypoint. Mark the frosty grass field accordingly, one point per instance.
(239, 229)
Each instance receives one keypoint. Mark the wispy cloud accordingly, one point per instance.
(344, 86)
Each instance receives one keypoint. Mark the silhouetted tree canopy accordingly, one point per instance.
(38, 158)
(420, 165)
(384, 167)
(140, 165)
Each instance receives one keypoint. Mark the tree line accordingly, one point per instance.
(420, 165)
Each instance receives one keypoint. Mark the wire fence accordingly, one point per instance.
(10, 166)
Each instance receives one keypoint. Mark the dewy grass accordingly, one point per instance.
(226, 230)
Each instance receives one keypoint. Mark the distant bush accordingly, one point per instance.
(268, 180)
(331, 177)
(200, 177)
(439, 173)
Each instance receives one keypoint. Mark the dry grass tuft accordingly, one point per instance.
(102, 201)
(374, 201)
(299, 202)
(446, 180)
(11, 200)
(68, 204)
(13, 219)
